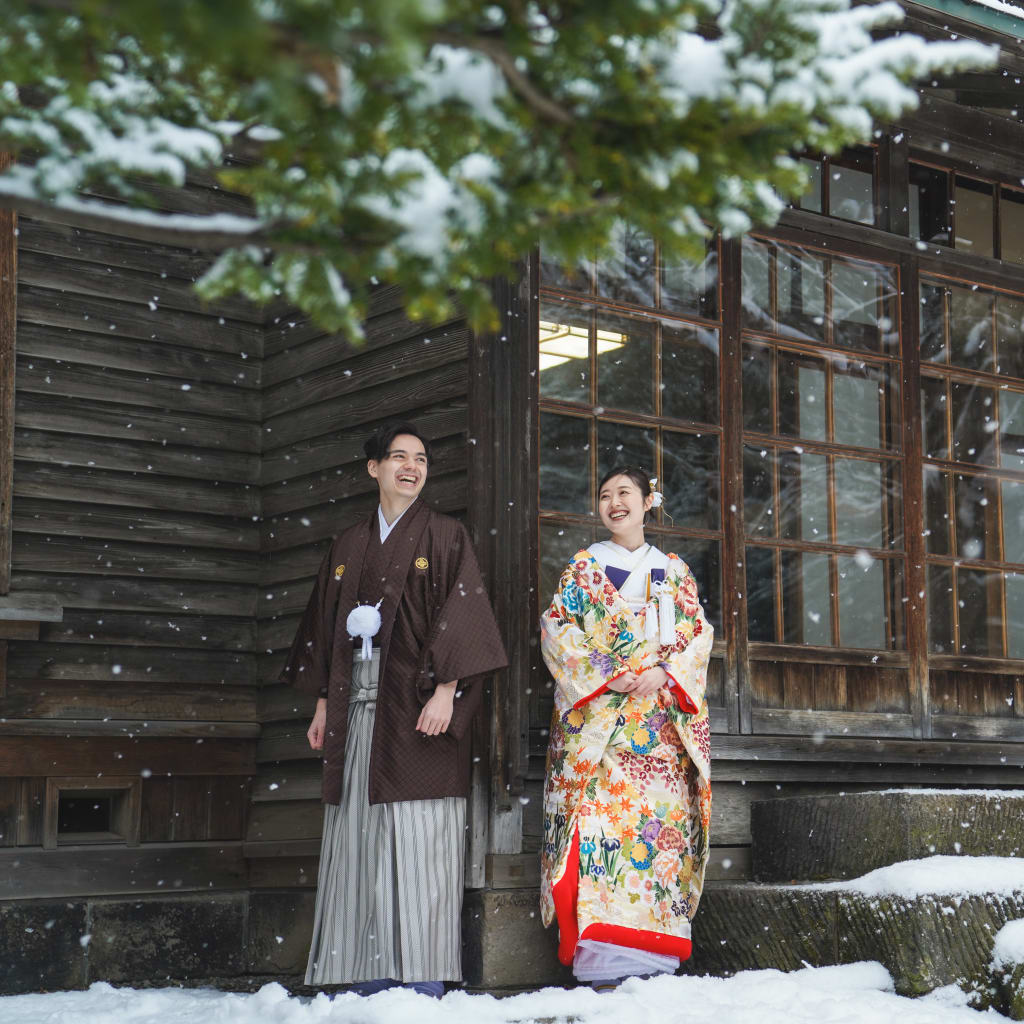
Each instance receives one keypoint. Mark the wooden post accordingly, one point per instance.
(8, 316)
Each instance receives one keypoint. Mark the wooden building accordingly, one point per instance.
(834, 408)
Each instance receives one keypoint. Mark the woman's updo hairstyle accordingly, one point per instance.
(638, 476)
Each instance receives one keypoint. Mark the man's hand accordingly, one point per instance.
(437, 712)
(318, 727)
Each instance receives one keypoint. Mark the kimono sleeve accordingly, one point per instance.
(307, 667)
(465, 641)
(687, 661)
(581, 666)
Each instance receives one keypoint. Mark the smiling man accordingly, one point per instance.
(392, 716)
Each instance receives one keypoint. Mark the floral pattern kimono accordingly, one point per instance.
(627, 799)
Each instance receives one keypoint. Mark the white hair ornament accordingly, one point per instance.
(656, 495)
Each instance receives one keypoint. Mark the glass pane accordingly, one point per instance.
(692, 479)
(1010, 335)
(974, 216)
(861, 401)
(857, 305)
(564, 352)
(929, 204)
(756, 285)
(932, 322)
(625, 347)
(564, 464)
(1014, 614)
(689, 373)
(936, 512)
(801, 390)
(627, 274)
(691, 287)
(863, 506)
(806, 602)
(981, 620)
(803, 496)
(1011, 429)
(851, 188)
(760, 575)
(863, 618)
(758, 516)
(1013, 520)
(1011, 225)
(704, 560)
(757, 389)
(558, 543)
(976, 505)
(974, 423)
(970, 328)
(811, 199)
(934, 414)
(555, 275)
(940, 609)
(624, 446)
(801, 294)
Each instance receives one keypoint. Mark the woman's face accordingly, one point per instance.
(622, 506)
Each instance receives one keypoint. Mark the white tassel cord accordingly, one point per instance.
(666, 616)
(364, 621)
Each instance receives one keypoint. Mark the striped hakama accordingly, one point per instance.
(389, 892)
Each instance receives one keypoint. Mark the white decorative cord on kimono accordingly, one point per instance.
(660, 615)
(364, 621)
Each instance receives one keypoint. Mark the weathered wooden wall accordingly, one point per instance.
(322, 399)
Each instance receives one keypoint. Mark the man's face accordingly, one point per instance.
(401, 474)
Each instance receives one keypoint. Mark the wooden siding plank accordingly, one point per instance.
(9, 789)
(8, 331)
(128, 628)
(297, 781)
(977, 727)
(292, 819)
(788, 721)
(156, 820)
(31, 805)
(88, 418)
(75, 729)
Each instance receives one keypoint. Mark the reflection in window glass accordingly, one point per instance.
(929, 204)
(859, 399)
(1009, 335)
(760, 576)
(977, 507)
(558, 544)
(1013, 520)
(625, 349)
(803, 496)
(1014, 582)
(861, 502)
(620, 445)
(936, 512)
(691, 287)
(979, 595)
(1011, 225)
(934, 415)
(801, 390)
(1011, 429)
(555, 275)
(691, 479)
(565, 458)
(855, 312)
(801, 294)
(756, 286)
(564, 352)
(933, 322)
(970, 328)
(757, 389)
(627, 273)
(974, 216)
(811, 199)
(689, 373)
(851, 187)
(862, 607)
(940, 609)
(806, 599)
(974, 423)
(758, 512)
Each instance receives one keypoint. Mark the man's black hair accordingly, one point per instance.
(378, 446)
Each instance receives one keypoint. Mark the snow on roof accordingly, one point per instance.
(1000, 5)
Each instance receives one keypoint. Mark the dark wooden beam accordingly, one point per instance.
(8, 319)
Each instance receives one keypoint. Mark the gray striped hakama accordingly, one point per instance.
(389, 892)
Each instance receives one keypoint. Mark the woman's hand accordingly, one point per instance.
(318, 727)
(437, 712)
(626, 683)
(651, 680)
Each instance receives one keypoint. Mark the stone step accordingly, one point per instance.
(924, 942)
(809, 838)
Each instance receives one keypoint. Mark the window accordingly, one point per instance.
(842, 186)
(82, 811)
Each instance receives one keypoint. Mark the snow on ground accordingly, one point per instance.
(853, 994)
(937, 876)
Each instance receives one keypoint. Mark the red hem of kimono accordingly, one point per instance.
(564, 894)
(682, 698)
(601, 689)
